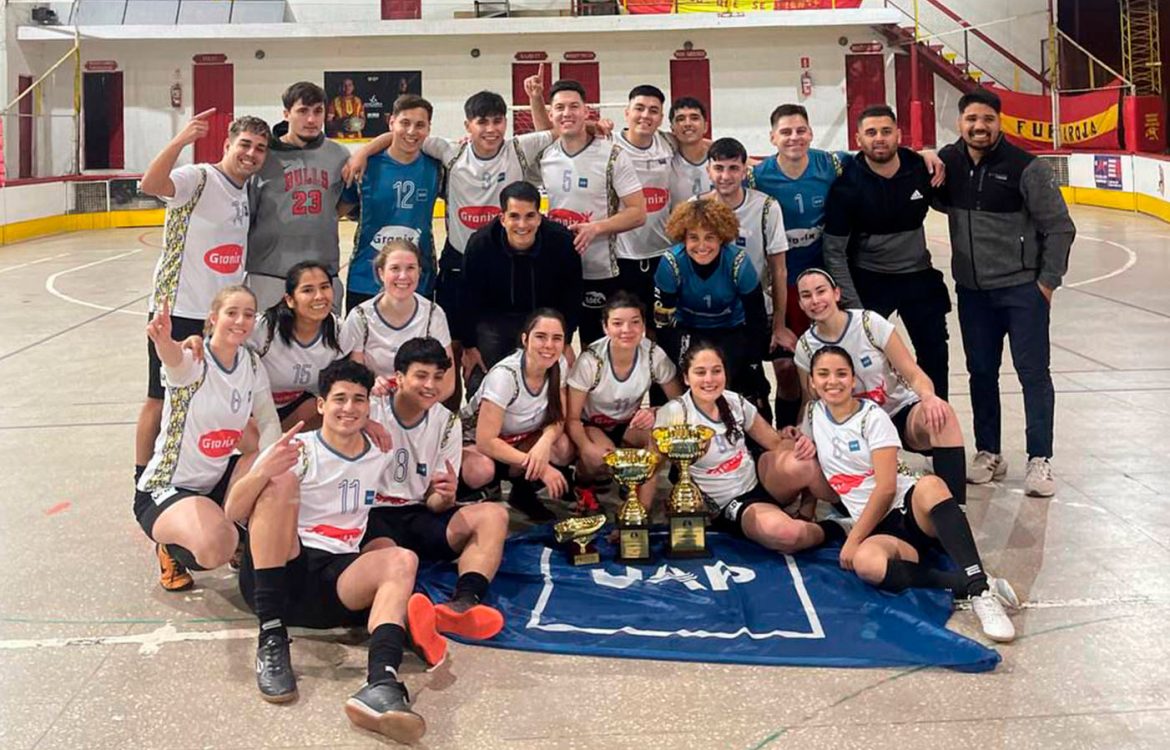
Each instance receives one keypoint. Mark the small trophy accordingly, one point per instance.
(632, 467)
(580, 532)
(687, 512)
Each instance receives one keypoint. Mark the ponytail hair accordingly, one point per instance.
(555, 412)
(734, 428)
(281, 318)
(218, 300)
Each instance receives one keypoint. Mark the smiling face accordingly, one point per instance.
(625, 327)
(727, 176)
(520, 219)
(313, 297)
(244, 155)
(411, 127)
(545, 342)
(792, 136)
(233, 319)
(487, 133)
(568, 113)
(688, 126)
(819, 299)
(879, 138)
(345, 409)
(400, 272)
(422, 383)
(644, 115)
(832, 379)
(702, 244)
(979, 126)
(706, 376)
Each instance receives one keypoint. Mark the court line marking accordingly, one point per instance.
(151, 643)
(1129, 263)
(51, 288)
(33, 262)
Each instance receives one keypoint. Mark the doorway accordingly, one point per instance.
(214, 87)
(101, 98)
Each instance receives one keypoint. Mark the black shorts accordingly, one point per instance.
(181, 328)
(900, 524)
(730, 518)
(901, 420)
(147, 511)
(286, 411)
(449, 286)
(311, 587)
(615, 432)
(636, 276)
(885, 293)
(415, 528)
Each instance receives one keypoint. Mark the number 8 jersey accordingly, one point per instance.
(420, 450)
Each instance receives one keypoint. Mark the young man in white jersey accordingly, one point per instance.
(688, 168)
(206, 236)
(415, 505)
(593, 190)
(306, 502)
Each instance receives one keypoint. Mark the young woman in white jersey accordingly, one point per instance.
(517, 419)
(206, 406)
(747, 497)
(895, 519)
(378, 326)
(607, 385)
(296, 339)
(889, 376)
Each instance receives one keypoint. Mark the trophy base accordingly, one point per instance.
(633, 544)
(587, 556)
(688, 536)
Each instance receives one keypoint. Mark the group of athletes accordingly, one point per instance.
(324, 457)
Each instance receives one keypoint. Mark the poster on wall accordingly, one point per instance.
(1107, 172)
(358, 103)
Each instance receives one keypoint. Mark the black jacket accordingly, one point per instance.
(498, 280)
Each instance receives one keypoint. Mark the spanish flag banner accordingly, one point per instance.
(1087, 121)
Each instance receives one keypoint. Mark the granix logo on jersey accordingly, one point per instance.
(727, 466)
(568, 217)
(475, 217)
(656, 199)
(224, 258)
(843, 484)
(336, 532)
(302, 176)
(877, 395)
(219, 443)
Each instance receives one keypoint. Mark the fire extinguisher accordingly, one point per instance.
(806, 84)
(176, 91)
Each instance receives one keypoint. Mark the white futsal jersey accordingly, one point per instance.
(293, 368)
(474, 184)
(845, 452)
(687, 179)
(504, 386)
(610, 400)
(761, 230)
(368, 332)
(652, 166)
(205, 238)
(205, 410)
(727, 470)
(588, 186)
(865, 338)
(336, 493)
(420, 450)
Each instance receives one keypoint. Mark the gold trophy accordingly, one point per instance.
(687, 512)
(631, 467)
(580, 532)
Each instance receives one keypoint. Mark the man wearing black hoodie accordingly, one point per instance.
(512, 266)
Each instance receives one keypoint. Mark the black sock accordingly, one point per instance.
(902, 575)
(954, 533)
(471, 587)
(950, 464)
(268, 599)
(385, 653)
(138, 469)
(834, 532)
(787, 412)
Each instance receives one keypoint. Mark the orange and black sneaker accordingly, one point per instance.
(172, 575)
(424, 637)
(468, 619)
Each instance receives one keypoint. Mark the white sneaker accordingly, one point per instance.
(992, 617)
(1003, 591)
(985, 467)
(1038, 481)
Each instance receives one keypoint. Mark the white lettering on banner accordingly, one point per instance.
(718, 576)
(720, 573)
(670, 573)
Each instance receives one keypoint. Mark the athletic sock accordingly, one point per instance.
(954, 533)
(902, 575)
(950, 464)
(787, 412)
(834, 532)
(138, 469)
(470, 587)
(268, 598)
(385, 653)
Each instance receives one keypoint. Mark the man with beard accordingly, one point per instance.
(875, 244)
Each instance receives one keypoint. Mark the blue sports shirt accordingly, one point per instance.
(713, 302)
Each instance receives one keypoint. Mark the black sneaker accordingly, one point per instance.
(274, 673)
(384, 707)
(523, 498)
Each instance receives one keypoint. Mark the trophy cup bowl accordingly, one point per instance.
(683, 443)
(354, 124)
(631, 467)
(580, 532)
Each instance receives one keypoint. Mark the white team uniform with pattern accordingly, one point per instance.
(337, 493)
(205, 240)
(504, 386)
(368, 332)
(420, 450)
(761, 229)
(610, 400)
(727, 470)
(588, 186)
(294, 368)
(865, 338)
(845, 452)
(687, 179)
(652, 166)
(474, 184)
(205, 411)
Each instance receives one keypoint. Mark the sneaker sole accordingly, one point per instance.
(420, 623)
(999, 639)
(190, 584)
(1039, 493)
(285, 698)
(996, 476)
(400, 726)
(478, 623)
